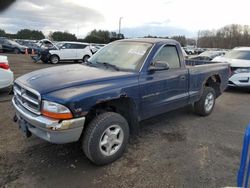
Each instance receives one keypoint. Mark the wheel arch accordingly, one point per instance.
(214, 81)
(55, 55)
(86, 55)
(125, 106)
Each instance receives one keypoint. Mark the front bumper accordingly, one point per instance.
(239, 80)
(51, 130)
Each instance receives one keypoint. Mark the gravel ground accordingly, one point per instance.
(176, 149)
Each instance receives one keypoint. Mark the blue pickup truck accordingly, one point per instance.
(100, 102)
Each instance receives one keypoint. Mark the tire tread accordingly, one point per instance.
(88, 135)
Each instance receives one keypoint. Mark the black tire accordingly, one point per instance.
(85, 58)
(200, 106)
(54, 59)
(95, 132)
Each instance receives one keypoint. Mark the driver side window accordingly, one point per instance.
(170, 55)
(67, 46)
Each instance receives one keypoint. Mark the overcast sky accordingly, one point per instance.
(139, 18)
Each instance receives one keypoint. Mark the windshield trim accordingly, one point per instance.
(149, 52)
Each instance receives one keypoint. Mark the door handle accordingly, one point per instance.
(183, 77)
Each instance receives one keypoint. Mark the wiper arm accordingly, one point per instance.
(109, 65)
(89, 63)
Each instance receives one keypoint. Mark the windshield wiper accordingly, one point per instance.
(109, 65)
(89, 63)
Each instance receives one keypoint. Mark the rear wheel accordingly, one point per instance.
(54, 59)
(85, 58)
(206, 103)
(106, 138)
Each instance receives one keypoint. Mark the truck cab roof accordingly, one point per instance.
(151, 40)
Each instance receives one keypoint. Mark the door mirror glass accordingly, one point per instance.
(159, 65)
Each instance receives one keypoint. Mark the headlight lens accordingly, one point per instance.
(55, 110)
(242, 70)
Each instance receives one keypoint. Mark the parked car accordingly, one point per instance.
(31, 46)
(102, 101)
(6, 75)
(208, 55)
(12, 46)
(97, 47)
(239, 59)
(199, 50)
(67, 51)
(189, 51)
(184, 53)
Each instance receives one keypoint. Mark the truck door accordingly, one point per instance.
(164, 90)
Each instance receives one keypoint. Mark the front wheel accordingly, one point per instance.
(206, 103)
(105, 138)
(54, 59)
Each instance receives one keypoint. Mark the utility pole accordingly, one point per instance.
(120, 22)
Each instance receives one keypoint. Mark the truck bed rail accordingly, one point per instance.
(190, 62)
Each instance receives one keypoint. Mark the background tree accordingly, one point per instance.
(62, 36)
(227, 37)
(2, 33)
(30, 34)
(181, 39)
(102, 36)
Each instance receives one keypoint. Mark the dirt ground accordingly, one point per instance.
(176, 149)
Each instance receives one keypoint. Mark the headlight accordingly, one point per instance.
(242, 70)
(55, 110)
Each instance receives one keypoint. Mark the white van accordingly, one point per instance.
(70, 51)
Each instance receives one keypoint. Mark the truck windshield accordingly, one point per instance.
(238, 54)
(123, 55)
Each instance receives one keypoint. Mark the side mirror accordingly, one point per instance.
(63, 47)
(158, 66)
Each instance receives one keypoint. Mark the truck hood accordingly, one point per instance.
(233, 62)
(61, 77)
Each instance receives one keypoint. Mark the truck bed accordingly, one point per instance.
(190, 62)
(200, 70)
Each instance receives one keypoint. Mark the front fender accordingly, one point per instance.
(80, 99)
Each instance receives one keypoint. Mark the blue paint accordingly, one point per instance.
(82, 86)
(244, 170)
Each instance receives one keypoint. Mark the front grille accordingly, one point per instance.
(28, 98)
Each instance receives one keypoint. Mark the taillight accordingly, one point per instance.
(4, 66)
